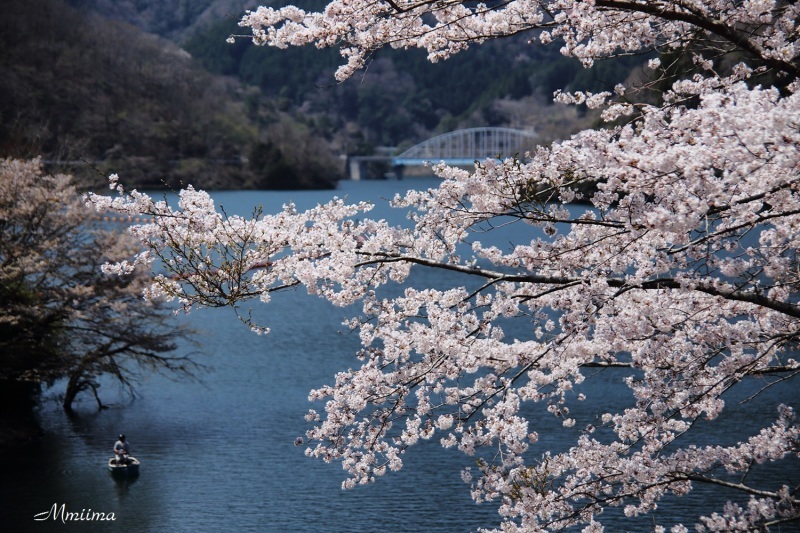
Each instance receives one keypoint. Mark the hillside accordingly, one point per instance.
(401, 99)
(81, 80)
(173, 19)
(77, 87)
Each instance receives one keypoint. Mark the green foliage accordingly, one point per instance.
(211, 48)
(290, 156)
(168, 18)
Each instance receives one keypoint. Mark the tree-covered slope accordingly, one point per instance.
(75, 86)
(285, 113)
(168, 18)
(401, 98)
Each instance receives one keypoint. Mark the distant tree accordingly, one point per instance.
(661, 253)
(268, 163)
(60, 316)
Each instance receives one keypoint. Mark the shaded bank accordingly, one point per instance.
(19, 423)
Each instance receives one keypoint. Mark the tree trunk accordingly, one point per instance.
(73, 388)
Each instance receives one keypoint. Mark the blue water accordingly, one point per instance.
(218, 454)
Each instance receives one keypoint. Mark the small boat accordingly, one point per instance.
(125, 469)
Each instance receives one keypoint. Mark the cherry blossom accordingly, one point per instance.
(662, 250)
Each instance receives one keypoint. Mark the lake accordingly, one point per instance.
(219, 455)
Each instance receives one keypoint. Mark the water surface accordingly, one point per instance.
(219, 454)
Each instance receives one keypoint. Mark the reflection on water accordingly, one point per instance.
(219, 454)
(123, 483)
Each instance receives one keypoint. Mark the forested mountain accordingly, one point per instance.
(84, 80)
(77, 87)
(400, 99)
(174, 19)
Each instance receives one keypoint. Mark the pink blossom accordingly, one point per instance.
(679, 276)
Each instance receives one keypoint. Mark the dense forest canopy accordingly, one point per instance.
(173, 19)
(400, 98)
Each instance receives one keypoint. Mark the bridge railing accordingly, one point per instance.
(457, 148)
(463, 147)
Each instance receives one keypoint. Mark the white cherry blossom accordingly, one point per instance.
(663, 252)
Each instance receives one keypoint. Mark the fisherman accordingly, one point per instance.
(121, 450)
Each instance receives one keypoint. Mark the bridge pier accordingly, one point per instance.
(358, 166)
(354, 168)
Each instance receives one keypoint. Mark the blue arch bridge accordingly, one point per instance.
(457, 148)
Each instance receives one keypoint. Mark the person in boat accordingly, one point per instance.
(121, 450)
